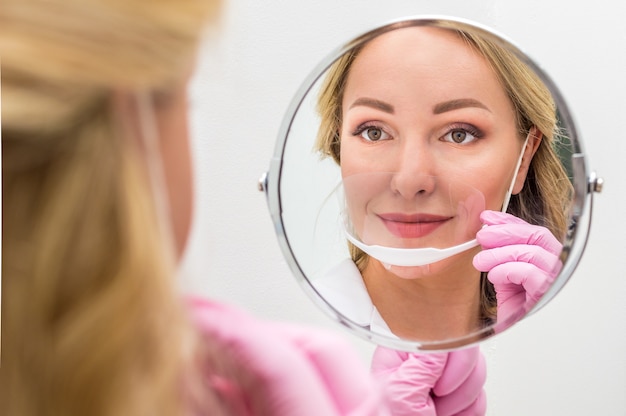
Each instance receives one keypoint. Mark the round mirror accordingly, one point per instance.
(428, 187)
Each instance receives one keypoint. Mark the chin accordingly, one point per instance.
(413, 272)
(460, 264)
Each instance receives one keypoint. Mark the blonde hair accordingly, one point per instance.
(546, 195)
(92, 323)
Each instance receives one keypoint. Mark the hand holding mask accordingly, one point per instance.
(522, 261)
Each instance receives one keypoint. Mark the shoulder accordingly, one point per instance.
(342, 287)
(342, 283)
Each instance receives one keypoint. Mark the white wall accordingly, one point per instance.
(569, 358)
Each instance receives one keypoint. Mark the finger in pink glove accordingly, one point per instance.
(408, 379)
(432, 384)
(344, 376)
(460, 391)
(295, 371)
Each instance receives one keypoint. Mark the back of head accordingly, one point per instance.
(91, 323)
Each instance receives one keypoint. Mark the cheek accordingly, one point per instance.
(469, 206)
(175, 151)
(492, 180)
(349, 162)
(354, 183)
(358, 157)
(357, 197)
(362, 191)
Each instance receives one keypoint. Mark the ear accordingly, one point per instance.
(534, 140)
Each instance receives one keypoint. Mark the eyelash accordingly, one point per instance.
(368, 125)
(468, 128)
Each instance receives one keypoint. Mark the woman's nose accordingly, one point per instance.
(416, 173)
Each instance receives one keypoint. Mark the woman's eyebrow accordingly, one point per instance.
(373, 103)
(456, 104)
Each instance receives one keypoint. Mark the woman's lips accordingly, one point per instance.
(412, 225)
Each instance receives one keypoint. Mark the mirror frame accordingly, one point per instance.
(585, 183)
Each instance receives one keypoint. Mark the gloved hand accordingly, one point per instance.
(521, 259)
(432, 384)
(286, 369)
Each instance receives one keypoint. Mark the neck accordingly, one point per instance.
(431, 303)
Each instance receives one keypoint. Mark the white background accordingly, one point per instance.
(569, 358)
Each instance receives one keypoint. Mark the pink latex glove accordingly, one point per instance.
(432, 384)
(295, 370)
(521, 259)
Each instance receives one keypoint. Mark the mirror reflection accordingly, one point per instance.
(424, 185)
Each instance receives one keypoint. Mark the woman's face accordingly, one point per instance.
(428, 140)
(170, 112)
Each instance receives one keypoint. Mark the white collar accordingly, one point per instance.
(343, 288)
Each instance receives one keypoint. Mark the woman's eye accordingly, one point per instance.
(460, 136)
(374, 134)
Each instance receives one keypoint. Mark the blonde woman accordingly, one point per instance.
(96, 211)
(434, 129)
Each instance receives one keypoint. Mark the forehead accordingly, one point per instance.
(430, 63)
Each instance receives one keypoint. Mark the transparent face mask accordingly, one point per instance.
(438, 220)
